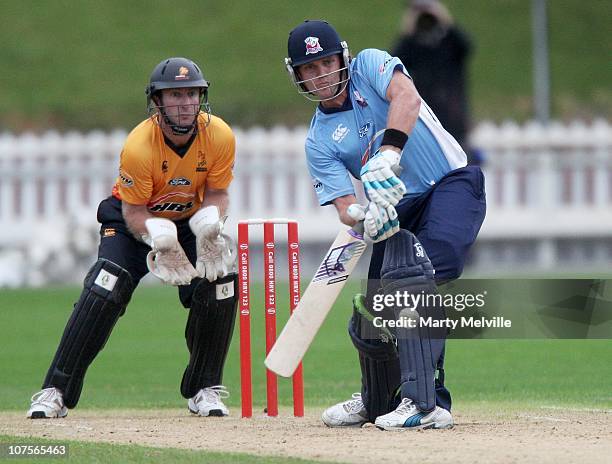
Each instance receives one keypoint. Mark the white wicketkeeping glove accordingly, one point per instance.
(216, 258)
(216, 251)
(380, 180)
(378, 223)
(167, 259)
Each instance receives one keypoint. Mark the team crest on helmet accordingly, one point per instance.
(312, 45)
(183, 74)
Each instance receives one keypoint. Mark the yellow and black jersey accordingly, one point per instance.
(172, 187)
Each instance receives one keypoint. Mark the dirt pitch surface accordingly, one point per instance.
(547, 435)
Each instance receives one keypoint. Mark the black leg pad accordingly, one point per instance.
(209, 332)
(107, 291)
(379, 362)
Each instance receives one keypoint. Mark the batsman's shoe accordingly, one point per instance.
(207, 402)
(47, 404)
(351, 413)
(407, 416)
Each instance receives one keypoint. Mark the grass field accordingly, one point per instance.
(93, 453)
(85, 64)
(142, 364)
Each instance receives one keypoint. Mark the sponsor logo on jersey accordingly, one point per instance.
(340, 132)
(163, 204)
(318, 185)
(312, 45)
(179, 182)
(126, 180)
(201, 166)
(363, 130)
(168, 206)
(359, 99)
(183, 74)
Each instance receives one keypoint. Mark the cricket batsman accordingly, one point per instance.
(165, 215)
(425, 209)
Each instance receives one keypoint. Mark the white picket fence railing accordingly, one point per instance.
(546, 186)
(549, 195)
(554, 181)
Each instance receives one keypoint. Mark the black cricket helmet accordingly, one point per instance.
(310, 41)
(175, 73)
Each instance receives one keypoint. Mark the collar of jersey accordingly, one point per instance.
(346, 106)
(183, 149)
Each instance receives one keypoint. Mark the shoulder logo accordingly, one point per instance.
(383, 66)
(179, 182)
(312, 45)
(359, 99)
(126, 180)
(318, 185)
(340, 132)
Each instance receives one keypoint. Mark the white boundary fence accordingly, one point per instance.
(549, 195)
(549, 192)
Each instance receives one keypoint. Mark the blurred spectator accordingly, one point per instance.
(435, 51)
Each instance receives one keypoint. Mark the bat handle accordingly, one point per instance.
(357, 230)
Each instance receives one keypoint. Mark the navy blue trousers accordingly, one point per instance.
(446, 220)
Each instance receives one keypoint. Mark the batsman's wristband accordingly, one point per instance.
(395, 138)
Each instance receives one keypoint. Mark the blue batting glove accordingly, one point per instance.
(378, 223)
(380, 180)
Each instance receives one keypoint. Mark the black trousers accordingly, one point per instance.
(117, 244)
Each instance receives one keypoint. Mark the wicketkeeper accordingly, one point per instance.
(424, 212)
(165, 215)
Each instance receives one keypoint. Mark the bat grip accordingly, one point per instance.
(357, 230)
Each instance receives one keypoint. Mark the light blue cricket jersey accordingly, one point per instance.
(338, 139)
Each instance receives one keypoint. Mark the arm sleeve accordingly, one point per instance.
(135, 179)
(330, 177)
(221, 173)
(377, 68)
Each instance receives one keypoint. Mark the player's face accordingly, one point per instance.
(181, 105)
(321, 76)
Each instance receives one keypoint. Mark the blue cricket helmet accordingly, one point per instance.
(310, 41)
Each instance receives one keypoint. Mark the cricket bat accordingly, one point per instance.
(316, 302)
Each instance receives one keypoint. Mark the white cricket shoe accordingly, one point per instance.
(407, 415)
(46, 404)
(351, 413)
(207, 402)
